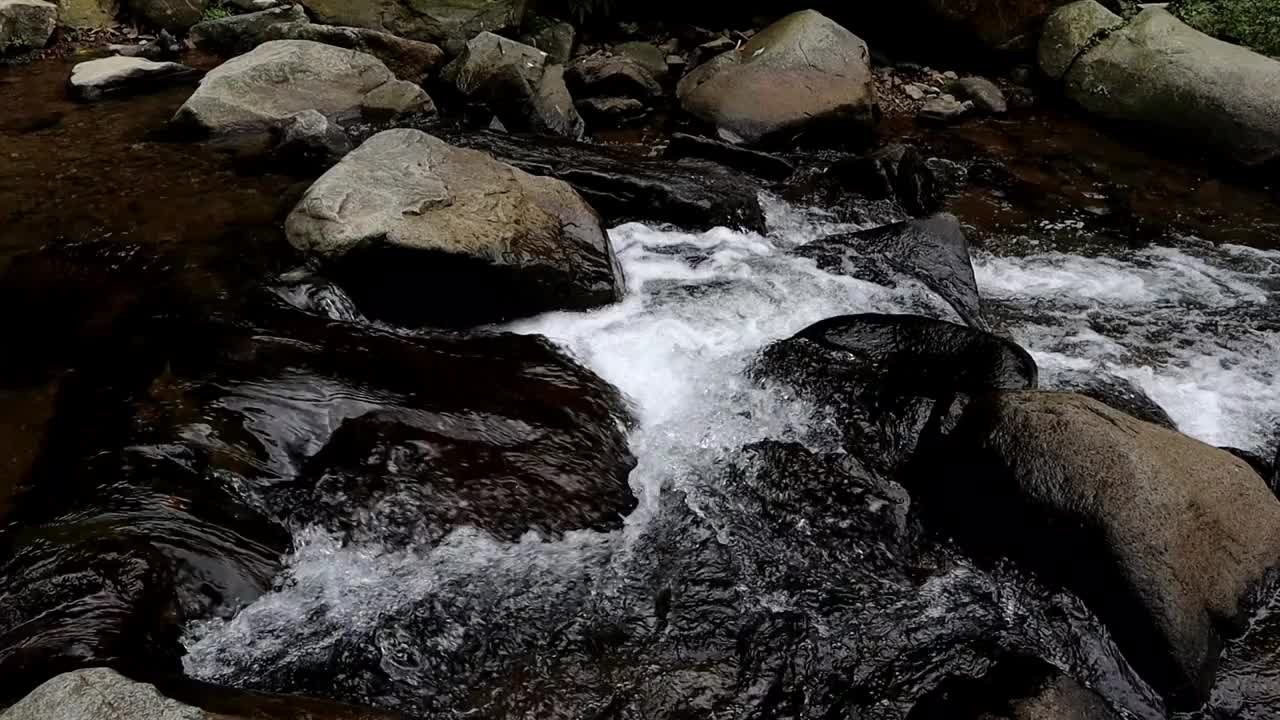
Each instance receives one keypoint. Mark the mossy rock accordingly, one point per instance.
(1252, 23)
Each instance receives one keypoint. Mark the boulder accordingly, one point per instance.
(87, 14)
(310, 140)
(1164, 537)
(986, 95)
(881, 376)
(1164, 77)
(173, 15)
(803, 74)
(1068, 32)
(410, 60)
(419, 231)
(394, 99)
(26, 24)
(238, 34)
(763, 164)
(512, 80)
(932, 250)
(447, 23)
(92, 79)
(1113, 391)
(104, 694)
(556, 38)
(603, 75)
(253, 93)
(647, 55)
(611, 111)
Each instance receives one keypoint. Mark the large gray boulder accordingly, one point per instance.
(87, 14)
(419, 231)
(514, 81)
(26, 24)
(253, 93)
(1162, 535)
(803, 73)
(1161, 75)
(238, 34)
(176, 16)
(92, 79)
(1068, 32)
(447, 23)
(411, 60)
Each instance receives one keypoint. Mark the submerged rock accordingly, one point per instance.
(26, 24)
(932, 250)
(802, 75)
(421, 232)
(410, 60)
(254, 92)
(881, 376)
(1162, 535)
(237, 34)
(1165, 77)
(93, 79)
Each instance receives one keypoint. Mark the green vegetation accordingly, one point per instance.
(217, 11)
(1252, 23)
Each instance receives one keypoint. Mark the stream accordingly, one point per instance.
(197, 374)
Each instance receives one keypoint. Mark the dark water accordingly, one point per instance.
(215, 454)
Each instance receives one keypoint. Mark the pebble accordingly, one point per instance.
(913, 91)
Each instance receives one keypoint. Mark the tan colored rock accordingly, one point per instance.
(87, 14)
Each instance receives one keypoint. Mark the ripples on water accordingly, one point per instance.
(704, 601)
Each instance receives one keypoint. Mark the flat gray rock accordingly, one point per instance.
(94, 79)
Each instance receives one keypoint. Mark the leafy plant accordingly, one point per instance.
(1252, 23)
(217, 11)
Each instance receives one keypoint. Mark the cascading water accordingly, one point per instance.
(746, 584)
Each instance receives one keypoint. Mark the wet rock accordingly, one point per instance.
(1017, 688)
(1163, 536)
(1112, 391)
(895, 172)
(93, 79)
(459, 237)
(944, 109)
(556, 38)
(933, 251)
(104, 694)
(26, 24)
(447, 23)
(880, 377)
(238, 34)
(164, 46)
(802, 75)
(949, 176)
(611, 111)
(410, 60)
(913, 91)
(1068, 32)
(986, 95)
(647, 55)
(87, 14)
(308, 140)
(695, 194)
(603, 75)
(1162, 76)
(759, 163)
(173, 15)
(254, 92)
(513, 81)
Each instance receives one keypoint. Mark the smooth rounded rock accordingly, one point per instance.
(1068, 32)
(92, 79)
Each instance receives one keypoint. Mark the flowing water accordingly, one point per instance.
(759, 619)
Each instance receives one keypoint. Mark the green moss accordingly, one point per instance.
(1252, 23)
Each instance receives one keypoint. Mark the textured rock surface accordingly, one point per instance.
(99, 694)
(1068, 32)
(802, 74)
(254, 92)
(602, 75)
(26, 24)
(418, 230)
(410, 60)
(93, 79)
(447, 23)
(86, 14)
(239, 34)
(1162, 535)
(1161, 75)
(172, 15)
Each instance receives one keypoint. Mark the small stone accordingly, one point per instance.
(951, 75)
(309, 139)
(615, 110)
(930, 90)
(948, 97)
(984, 93)
(93, 79)
(913, 91)
(495, 125)
(943, 109)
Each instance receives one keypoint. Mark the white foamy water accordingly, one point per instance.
(1197, 328)
(1189, 326)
